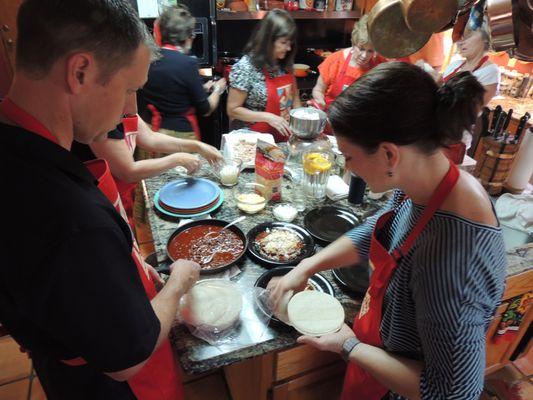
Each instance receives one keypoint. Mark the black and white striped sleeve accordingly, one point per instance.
(453, 291)
(360, 235)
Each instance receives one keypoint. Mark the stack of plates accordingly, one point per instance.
(188, 197)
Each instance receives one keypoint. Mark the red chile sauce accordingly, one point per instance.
(191, 244)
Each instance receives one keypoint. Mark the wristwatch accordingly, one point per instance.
(348, 346)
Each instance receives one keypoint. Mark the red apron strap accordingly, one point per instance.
(193, 120)
(456, 70)
(442, 191)
(157, 33)
(338, 85)
(25, 120)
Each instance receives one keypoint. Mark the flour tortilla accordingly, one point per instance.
(212, 305)
(315, 313)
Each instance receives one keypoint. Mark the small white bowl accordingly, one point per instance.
(285, 212)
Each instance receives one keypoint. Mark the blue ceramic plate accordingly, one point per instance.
(189, 193)
(168, 213)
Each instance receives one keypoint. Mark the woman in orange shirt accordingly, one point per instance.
(344, 67)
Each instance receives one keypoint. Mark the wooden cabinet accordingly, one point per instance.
(299, 373)
(498, 354)
(8, 30)
(324, 383)
(301, 359)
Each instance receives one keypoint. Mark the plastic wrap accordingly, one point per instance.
(248, 328)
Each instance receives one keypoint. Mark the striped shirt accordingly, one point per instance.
(441, 297)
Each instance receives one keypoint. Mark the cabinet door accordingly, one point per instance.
(323, 383)
(8, 29)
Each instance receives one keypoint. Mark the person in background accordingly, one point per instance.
(118, 150)
(436, 249)
(174, 91)
(473, 46)
(344, 67)
(84, 305)
(262, 85)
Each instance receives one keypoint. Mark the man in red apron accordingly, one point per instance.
(358, 383)
(84, 304)
(280, 99)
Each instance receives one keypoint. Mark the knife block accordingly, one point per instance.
(496, 161)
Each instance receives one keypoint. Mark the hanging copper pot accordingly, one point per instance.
(500, 18)
(428, 16)
(389, 33)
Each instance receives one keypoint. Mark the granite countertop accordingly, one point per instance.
(519, 106)
(197, 356)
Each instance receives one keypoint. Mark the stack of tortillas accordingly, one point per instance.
(213, 305)
(315, 313)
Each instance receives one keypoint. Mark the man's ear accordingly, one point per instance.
(80, 70)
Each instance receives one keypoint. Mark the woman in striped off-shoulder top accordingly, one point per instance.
(437, 247)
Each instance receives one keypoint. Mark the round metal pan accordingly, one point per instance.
(389, 33)
(354, 279)
(327, 224)
(216, 222)
(428, 16)
(317, 281)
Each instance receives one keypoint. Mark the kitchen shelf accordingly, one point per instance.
(302, 14)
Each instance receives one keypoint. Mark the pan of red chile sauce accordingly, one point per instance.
(191, 242)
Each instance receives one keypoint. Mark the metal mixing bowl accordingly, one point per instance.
(305, 128)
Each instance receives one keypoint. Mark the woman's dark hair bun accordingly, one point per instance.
(458, 103)
(400, 103)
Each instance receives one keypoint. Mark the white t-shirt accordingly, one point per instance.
(489, 74)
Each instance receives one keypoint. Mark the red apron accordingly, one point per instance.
(159, 379)
(127, 189)
(456, 151)
(359, 384)
(190, 114)
(342, 81)
(280, 98)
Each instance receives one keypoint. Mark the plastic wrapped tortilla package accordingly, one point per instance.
(269, 165)
(242, 144)
(223, 314)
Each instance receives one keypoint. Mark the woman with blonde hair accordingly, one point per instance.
(344, 67)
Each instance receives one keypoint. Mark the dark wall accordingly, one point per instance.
(314, 33)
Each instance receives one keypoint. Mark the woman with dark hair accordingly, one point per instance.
(173, 94)
(436, 250)
(262, 85)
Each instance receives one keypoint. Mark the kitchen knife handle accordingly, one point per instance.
(499, 124)
(507, 120)
(521, 126)
(495, 116)
(485, 122)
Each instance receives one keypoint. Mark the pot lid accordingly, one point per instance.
(389, 33)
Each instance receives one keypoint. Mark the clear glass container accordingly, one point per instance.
(317, 167)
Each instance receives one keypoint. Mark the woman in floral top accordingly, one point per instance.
(262, 85)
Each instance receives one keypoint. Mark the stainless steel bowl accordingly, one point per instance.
(306, 128)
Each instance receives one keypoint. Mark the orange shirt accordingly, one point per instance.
(331, 67)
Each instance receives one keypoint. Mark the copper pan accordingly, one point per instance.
(500, 18)
(390, 34)
(428, 16)
(523, 23)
